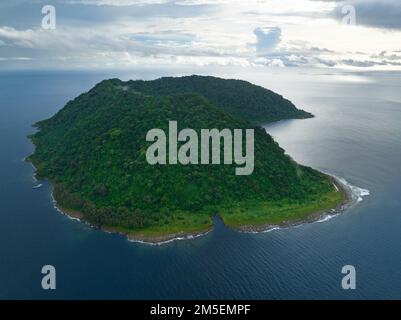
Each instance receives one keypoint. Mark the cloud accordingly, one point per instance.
(392, 56)
(267, 39)
(369, 63)
(385, 14)
(127, 33)
(169, 37)
(15, 59)
(117, 2)
(27, 14)
(145, 2)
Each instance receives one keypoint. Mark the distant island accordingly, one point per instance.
(93, 152)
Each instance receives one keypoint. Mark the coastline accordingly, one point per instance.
(160, 240)
(341, 185)
(137, 237)
(131, 236)
(350, 199)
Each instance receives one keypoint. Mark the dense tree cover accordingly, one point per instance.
(239, 98)
(94, 151)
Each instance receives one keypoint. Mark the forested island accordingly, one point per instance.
(93, 152)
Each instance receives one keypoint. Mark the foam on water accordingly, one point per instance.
(357, 195)
(327, 217)
(187, 237)
(356, 192)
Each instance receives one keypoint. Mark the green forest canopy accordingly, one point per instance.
(93, 151)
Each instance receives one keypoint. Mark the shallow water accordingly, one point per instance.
(356, 134)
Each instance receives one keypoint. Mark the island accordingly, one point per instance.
(93, 151)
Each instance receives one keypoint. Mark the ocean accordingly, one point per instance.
(355, 135)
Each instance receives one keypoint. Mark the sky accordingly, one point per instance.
(124, 34)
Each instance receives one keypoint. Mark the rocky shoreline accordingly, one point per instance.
(132, 237)
(164, 239)
(349, 200)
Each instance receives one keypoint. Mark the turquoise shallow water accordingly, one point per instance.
(356, 134)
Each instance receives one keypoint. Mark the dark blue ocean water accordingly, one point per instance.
(356, 134)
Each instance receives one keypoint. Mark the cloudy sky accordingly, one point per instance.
(101, 34)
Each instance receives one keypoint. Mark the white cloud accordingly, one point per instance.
(147, 2)
(252, 33)
(117, 2)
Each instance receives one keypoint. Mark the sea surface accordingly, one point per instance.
(356, 135)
